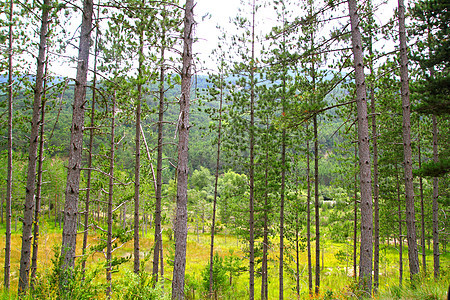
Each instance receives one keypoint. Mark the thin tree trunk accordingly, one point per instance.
(316, 204)
(137, 165)
(435, 202)
(264, 273)
(110, 201)
(308, 216)
(216, 179)
(9, 178)
(366, 248)
(69, 235)
(422, 208)
(91, 148)
(32, 155)
(400, 233)
(159, 161)
(251, 166)
(407, 151)
(182, 168)
(355, 216)
(282, 194)
(37, 208)
(376, 221)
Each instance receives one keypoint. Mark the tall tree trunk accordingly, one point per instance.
(110, 200)
(308, 215)
(32, 155)
(283, 176)
(366, 248)
(264, 269)
(159, 161)
(91, 148)
(7, 272)
(69, 235)
(252, 163)
(316, 204)
(37, 204)
(182, 168)
(422, 208)
(376, 221)
(216, 179)
(435, 202)
(137, 164)
(400, 233)
(355, 216)
(407, 151)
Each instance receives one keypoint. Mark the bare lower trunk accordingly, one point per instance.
(38, 194)
(366, 248)
(182, 168)
(69, 235)
(159, 161)
(400, 233)
(316, 204)
(355, 217)
(137, 164)
(216, 179)
(7, 272)
(89, 159)
(422, 210)
(32, 155)
(435, 203)
(407, 151)
(252, 163)
(110, 202)
(308, 217)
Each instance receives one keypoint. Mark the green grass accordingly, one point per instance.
(336, 277)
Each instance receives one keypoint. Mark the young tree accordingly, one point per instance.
(76, 141)
(32, 153)
(182, 168)
(407, 150)
(366, 248)
(9, 175)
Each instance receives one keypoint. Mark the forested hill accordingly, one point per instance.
(202, 144)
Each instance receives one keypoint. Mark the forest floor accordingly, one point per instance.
(336, 266)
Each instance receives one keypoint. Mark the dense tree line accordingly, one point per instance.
(307, 116)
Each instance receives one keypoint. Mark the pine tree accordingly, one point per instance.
(182, 169)
(76, 141)
(32, 154)
(365, 267)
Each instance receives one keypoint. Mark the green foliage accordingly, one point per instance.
(76, 285)
(219, 275)
(132, 286)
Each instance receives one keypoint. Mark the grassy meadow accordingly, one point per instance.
(336, 275)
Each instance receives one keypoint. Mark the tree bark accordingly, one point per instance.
(7, 269)
(159, 161)
(110, 201)
(91, 148)
(366, 248)
(216, 179)
(407, 151)
(376, 225)
(316, 204)
(32, 155)
(72, 192)
(182, 168)
(137, 164)
(252, 163)
(435, 203)
(400, 233)
(422, 208)
(308, 215)
(37, 204)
